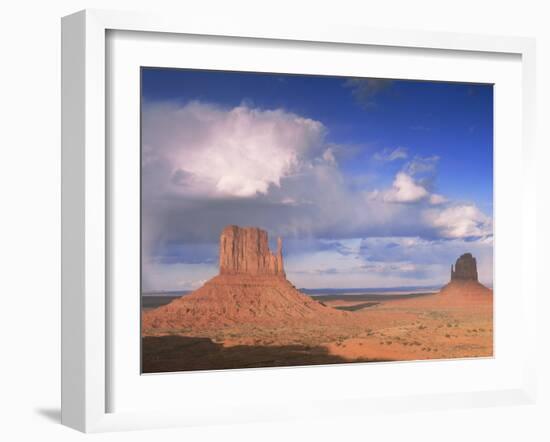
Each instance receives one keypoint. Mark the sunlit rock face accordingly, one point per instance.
(245, 251)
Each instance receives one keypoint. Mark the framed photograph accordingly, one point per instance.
(282, 222)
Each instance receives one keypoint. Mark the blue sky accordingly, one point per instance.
(354, 174)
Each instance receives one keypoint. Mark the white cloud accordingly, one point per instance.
(328, 156)
(237, 152)
(437, 199)
(399, 153)
(461, 221)
(205, 167)
(404, 189)
(419, 165)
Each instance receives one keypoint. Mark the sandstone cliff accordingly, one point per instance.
(245, 250)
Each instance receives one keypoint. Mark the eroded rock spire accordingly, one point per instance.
(465, 268)
(245, 250)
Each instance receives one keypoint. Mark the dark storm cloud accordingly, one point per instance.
(366, 89)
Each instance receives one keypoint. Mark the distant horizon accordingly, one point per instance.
(328, 289)
(372, 183)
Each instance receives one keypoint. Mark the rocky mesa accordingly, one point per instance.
(465, 268)
(464, 280)
(245, 251)
(251, 289)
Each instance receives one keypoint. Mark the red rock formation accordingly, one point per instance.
(464, 287)
(245, 250)
(251, 289)
(465, 268)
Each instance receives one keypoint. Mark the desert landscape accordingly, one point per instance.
(292, 219)
(251, 315)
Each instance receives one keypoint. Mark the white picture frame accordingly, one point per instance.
(86, 205)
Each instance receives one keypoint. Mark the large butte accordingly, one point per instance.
(250, 289)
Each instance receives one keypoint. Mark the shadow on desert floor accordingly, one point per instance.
(184, 353)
